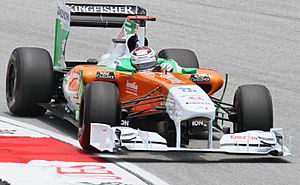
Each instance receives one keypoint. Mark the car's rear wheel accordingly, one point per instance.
(29, 81)
(183, 57)
(100, 103)
(253, 104)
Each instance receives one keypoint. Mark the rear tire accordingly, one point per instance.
(183, 57)
(253, 104)
(100, 104)
(29, 81)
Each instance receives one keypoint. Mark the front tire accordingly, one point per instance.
(29, 81)
(99, 104)
(253, 104)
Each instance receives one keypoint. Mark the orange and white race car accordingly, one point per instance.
(115, 105)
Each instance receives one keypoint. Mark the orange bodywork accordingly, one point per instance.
(141, 83)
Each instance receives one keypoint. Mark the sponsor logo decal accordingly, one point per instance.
(71, 85)
(74, 84)
(200, 77)
(105, 183)
(202, 107)
(63, 14)
(187, 89)
(198, 123)
(171, 78)
(125, 123)
(131, 87)
(195, 98)
(197, 103)
(105, 75)
(102, 9)
(235, 137)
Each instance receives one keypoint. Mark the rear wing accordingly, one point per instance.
(102, 15)
(87, 15)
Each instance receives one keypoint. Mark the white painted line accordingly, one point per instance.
(12, 130)
(143, 174)
(133, 169)
(41, 130)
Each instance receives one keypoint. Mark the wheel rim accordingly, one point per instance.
(12, 81)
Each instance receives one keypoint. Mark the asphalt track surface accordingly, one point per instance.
(255, 42)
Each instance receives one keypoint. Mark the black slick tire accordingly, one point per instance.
(29, 81)
(253, 104)
(183, 57)
(100, 103)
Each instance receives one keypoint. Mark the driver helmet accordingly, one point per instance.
(143, 58)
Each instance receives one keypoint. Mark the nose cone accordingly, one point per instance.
(189, 101)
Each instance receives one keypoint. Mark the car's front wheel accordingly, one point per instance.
(100, 103)
(253, 104)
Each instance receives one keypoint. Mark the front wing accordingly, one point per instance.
(106, 138)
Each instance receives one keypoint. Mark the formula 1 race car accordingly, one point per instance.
(116, 106)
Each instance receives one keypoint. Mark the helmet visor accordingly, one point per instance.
(146, 65)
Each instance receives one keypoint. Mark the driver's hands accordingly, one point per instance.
(166, 67)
